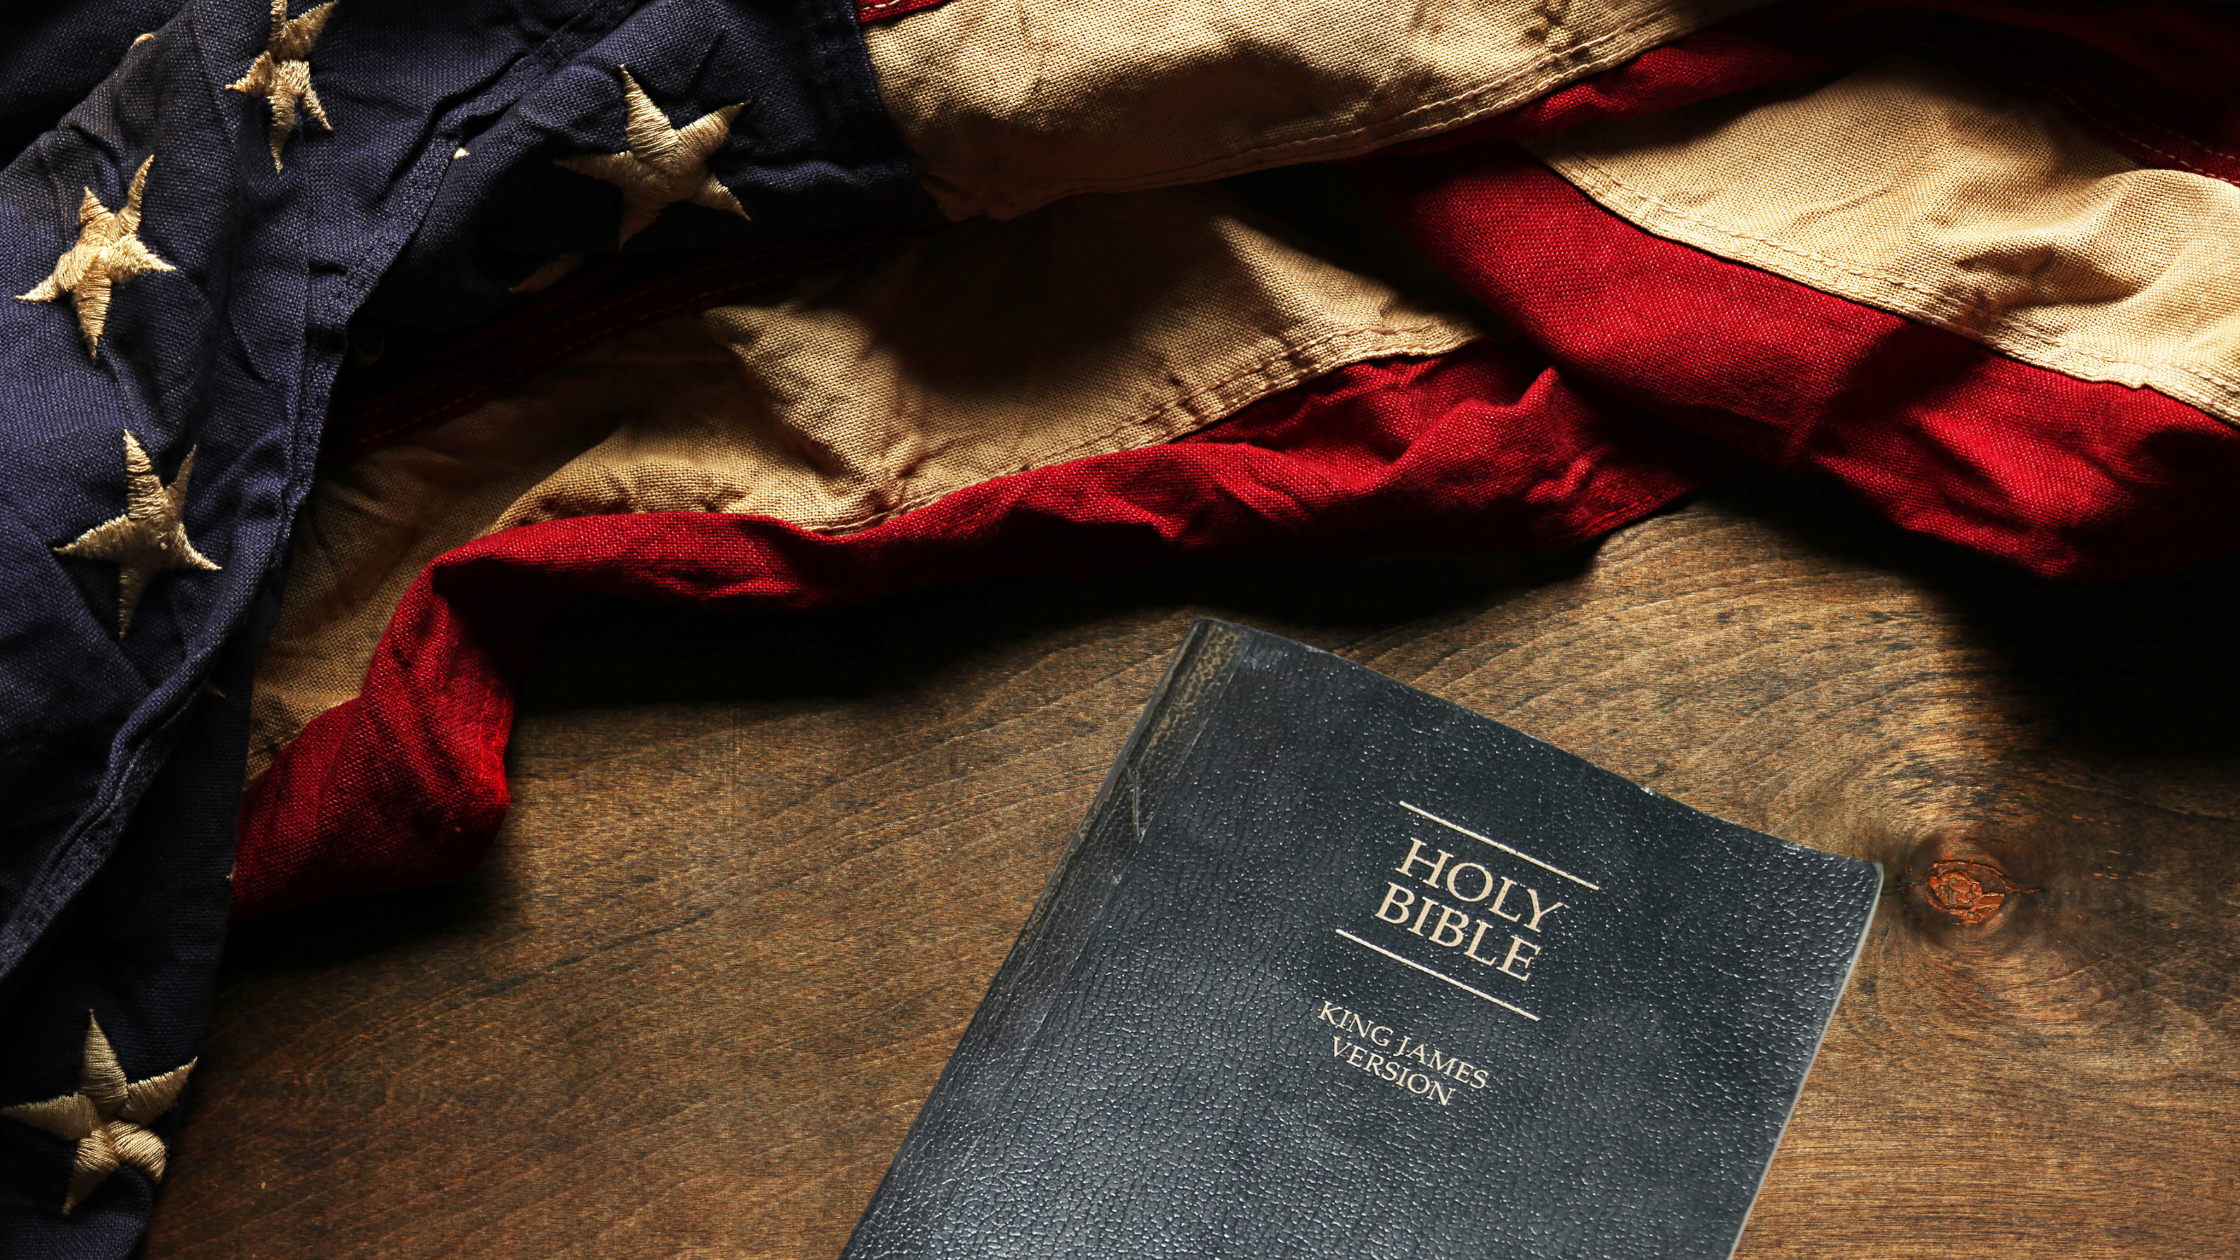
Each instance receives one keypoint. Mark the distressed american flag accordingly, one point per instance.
(343, 342)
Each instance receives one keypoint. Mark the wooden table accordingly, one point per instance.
(760, 868)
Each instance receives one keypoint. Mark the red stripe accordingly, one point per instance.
(1758, 49)
(2158, 79)
(1483, 448)
(1487, 448)
(2066, 478)
(869, 11)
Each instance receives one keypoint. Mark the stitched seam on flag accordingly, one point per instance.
(2049, 343)
(1667, 485)
(2120, 133)
(1573, 53)
(865, 10)
(1671, 211)
(1303, 367)
(75, 860)
(1378, 134)
(91, 837)
(1433, 335)
(2137, 116)
(72, 862)
(2099, 117)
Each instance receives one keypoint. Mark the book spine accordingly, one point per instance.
(1031, 979)
(1089, 867)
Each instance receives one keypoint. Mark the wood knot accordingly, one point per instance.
(1969, 891)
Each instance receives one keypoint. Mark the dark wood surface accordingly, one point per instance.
(760, 868)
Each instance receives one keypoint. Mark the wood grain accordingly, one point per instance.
(760, 868)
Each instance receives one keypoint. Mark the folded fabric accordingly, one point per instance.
(446, 314)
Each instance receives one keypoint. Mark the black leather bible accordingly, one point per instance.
(1337, 968)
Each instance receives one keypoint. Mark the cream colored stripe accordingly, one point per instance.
(1097, 325)
(1909, 187)
(1012, 104)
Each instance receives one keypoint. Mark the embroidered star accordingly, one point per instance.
(109, 252)
(150, 537)
(281, 74)
(107, 1117)
(664, 164)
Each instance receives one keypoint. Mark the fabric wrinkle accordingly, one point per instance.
(851, 396)
(1970, 209)
(1164, 92)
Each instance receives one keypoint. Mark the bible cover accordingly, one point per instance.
(1336, 968)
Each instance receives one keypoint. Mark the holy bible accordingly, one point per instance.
(1337, 968)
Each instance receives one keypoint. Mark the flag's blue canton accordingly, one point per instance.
(120, 757)
(53, 53)
(812, 151)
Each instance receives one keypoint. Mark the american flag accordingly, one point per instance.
(345, 341)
